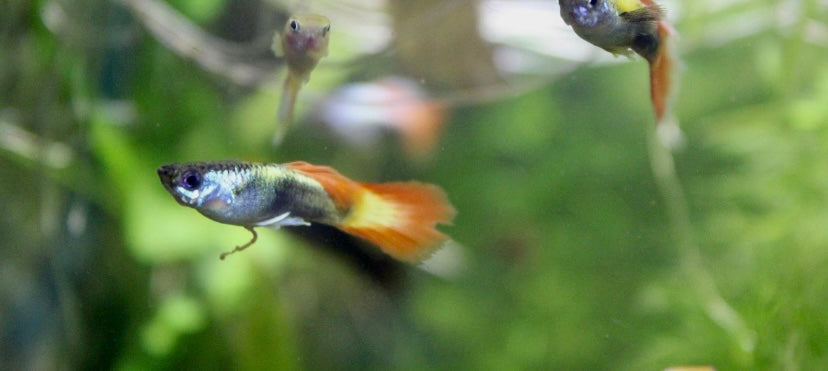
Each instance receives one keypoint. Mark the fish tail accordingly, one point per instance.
(662, 70)
(284, 117)
(399, 218)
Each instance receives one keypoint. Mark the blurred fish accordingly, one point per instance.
(399, 218)
(360, 112)
(624, 27)
(303, 42)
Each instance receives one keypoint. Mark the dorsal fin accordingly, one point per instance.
(645, 14)
(341, 189)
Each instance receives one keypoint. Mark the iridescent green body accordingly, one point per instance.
(250, 194)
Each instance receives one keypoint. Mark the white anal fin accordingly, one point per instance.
(283, 220)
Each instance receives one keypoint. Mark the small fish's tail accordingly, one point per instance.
(399, 218)
(284, 117)
(662, 74)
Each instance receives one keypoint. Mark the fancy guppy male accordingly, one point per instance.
(399, 217)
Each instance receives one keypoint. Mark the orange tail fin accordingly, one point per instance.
(661, 73)
(399, 218)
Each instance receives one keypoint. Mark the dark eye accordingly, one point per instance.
(294, 25)
(593, 3)
(191, 180)
(325, 30)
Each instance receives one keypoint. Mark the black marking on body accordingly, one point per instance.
(303, 201)
(646, 45)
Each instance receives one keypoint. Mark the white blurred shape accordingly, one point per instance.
(359, 113)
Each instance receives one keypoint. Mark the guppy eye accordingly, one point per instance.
(294, 25)
(191, 180)
(593, 3)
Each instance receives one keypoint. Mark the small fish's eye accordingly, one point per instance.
(294, 25)
(593, 3)
(326, 29)
(191, 180)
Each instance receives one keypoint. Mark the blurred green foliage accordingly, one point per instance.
(572, 258)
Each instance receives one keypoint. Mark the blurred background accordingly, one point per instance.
(576, 246)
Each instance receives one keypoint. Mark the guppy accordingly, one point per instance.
(302, 43)
(397, 217)
(626, 26)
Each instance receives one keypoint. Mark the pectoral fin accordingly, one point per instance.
(276, 45)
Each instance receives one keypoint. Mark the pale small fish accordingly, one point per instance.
(302, 43)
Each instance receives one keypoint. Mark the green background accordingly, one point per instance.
(576, 256)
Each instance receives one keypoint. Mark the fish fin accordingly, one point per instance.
(294, 221)
(284, 117)
(283, 220)
(400, 218)
(649, 13)
(340, 188)
(621, 51)
(624, 6)
(662, 68)
(276, 45)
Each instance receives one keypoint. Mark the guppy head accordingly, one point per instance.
(185, 182)
(587, 13)
(208, 187)
(307, 34)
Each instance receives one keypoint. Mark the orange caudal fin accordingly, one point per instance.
(400, 218)
(662, 70)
